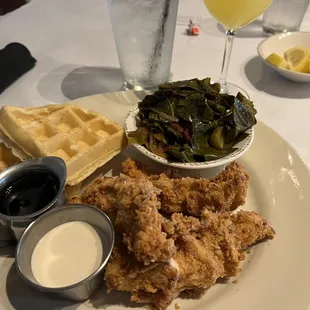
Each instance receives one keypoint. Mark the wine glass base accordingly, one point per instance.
(233, 89)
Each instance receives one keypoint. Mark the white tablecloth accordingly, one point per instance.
(73, 43)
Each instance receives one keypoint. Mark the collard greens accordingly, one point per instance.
(190, 121)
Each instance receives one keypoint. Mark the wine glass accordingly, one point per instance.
(232, 15)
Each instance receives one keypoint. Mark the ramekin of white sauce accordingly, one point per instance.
(65, 251)
(67, 254)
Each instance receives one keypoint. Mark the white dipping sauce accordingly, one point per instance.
(67, 254)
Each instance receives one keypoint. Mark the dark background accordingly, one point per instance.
(7, 6)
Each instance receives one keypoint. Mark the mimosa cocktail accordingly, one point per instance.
(234, 14)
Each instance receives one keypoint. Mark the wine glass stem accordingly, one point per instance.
(230, 36)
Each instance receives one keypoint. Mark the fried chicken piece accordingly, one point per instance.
(135, 169)
(206, 250)
(140, 222)
(180, 225)
(102, 194)
(243, 229)
(133, 205)
(157, 280)
(226, 192)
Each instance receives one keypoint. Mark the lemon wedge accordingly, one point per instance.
(277, 61)
(297, 59)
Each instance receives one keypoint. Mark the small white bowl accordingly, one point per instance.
(279, 44)
(242, 147)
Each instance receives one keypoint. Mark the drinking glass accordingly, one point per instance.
(144, 34)
(232, 15)
(284, 16)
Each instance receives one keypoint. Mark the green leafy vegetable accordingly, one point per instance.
(190, 121)
(217, 138)
(140, 136)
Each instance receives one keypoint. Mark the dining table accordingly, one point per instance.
(73, 43)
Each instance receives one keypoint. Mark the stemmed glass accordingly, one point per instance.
(232, 15)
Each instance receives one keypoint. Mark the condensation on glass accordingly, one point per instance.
(284, 16)
(144, 34)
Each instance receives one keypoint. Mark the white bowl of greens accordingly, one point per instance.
(190, 125)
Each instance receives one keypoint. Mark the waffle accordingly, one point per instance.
(7, 158)
(85, 140)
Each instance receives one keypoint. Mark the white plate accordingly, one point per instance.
(276, 273)
(279, 44)
(241, 148)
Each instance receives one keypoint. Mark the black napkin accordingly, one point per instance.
(15, 60)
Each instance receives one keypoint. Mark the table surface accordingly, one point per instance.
(73, 43)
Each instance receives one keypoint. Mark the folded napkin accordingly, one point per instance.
(15, 60)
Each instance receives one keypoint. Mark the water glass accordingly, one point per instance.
(284, 16)
(144, 34)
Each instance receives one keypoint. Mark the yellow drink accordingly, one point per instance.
(234, 14)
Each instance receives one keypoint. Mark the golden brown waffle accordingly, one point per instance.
(85, 140)
(7, 158)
